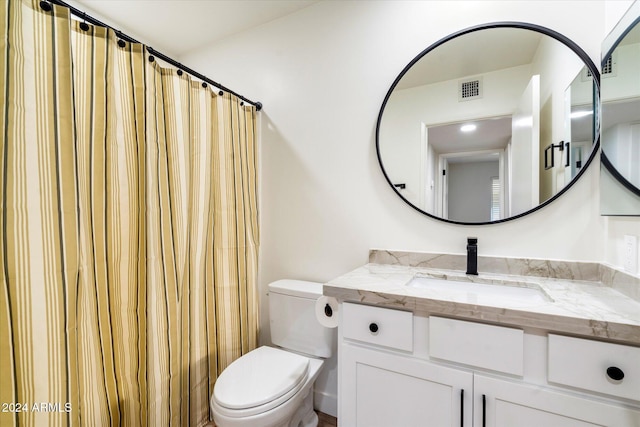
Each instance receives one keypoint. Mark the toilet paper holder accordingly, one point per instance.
(327, 311)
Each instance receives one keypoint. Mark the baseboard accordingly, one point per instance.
(326, 403)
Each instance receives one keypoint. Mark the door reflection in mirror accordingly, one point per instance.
(467, 156)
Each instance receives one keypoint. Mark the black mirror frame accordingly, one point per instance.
(506, 24)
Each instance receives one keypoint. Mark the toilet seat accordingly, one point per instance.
(259, 381)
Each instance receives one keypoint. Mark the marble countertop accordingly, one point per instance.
(575, 307)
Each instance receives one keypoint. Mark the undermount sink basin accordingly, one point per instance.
(520, 294)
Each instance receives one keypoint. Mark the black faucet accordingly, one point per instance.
(472, 255)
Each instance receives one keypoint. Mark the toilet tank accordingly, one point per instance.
(292, 318)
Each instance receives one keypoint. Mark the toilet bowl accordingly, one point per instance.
(270, 386)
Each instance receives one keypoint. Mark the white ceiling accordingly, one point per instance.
(472, 54)
(632, 36)
(175, 27)
(490, 134)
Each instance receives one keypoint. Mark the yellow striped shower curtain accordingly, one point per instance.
(128, 229)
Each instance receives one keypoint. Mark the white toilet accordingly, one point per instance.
(273, 387)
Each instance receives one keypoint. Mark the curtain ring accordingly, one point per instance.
(204, 85)
(83, 25)
(45, 6)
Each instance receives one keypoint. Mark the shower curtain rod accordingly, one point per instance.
(44, 4)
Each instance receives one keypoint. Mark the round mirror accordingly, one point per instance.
(490, 123)
(621, 115)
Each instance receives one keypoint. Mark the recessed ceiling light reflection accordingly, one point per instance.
(468, 128)
(580, 114)
(524, 122)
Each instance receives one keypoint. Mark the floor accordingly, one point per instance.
(324, 420)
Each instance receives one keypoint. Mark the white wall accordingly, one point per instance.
(625, 84)
(623, 149)
(437, 104)
(322, 74)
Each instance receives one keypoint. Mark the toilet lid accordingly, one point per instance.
(259, 377)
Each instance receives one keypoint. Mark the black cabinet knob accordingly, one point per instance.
(615, 373)
(373, 327)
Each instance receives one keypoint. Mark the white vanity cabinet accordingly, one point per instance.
(507, 403)
(379, 388)
(383, 383)
(459, 373)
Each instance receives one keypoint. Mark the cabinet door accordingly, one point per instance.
(510, 404)
(385, 389)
